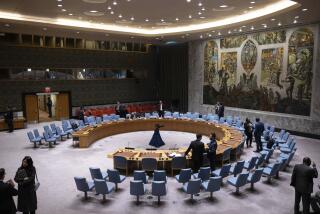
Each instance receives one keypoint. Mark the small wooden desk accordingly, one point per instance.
(18, 123)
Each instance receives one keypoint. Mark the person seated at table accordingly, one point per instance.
(156, 139)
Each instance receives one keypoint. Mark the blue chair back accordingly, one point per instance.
(114, 175)
(214, 184)
(275, 169)
(242, 179)
(119, 162)
(204, 173)
(59, 131)
(36, 133)
(281, 133)
(160, 175)
(136, 188)
(238, 167)
(222, 120)
(260, 160)
(285, 136)
(30, 136)
(46, 136)
(194, 186)
(140, 175)
(100, 186)
(81, 123)
(225, 170)
(95, 173)
(65, 125)
(272, 128)
(252, 162)
(98, 120)
(256, 176)
(48, 131)
(149, 164)
(179, 162)
(53, 128)
(147, 115)
(81, 184)
(185, 175)
(175, 115)
(158, 188)
(226, 154)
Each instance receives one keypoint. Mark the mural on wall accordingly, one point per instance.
(283, 88)
(228, 71)
(232, 41)
(271, 67)
(249, 56)
(211, 63)
(271, 37)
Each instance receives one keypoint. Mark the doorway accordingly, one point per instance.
(46, 107)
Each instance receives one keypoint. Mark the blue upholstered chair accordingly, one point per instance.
(160, 175)
(149, 164)
(49, 139)
(83, 185)
(147, 115)
(120, 162)
(283, 139)
(62, 133)
(175, 115)
(184, 176)
(159, 189)
(53, 128)
(140, 175)
(178, 163)
(236, 153)
(260, 160)
(212, 185)
(115, 177)
(239, 181)
(81, 124)
(97, 174)
(290, 149)
(98, 120)
(255, 177)
(287, 144)
(221, 120)
(223, 171)
(268, 154)
(280, 135)
(204, 173)
(226, 156)
(288, 156)
(271, 172)
(106, 118)
(237, 168)
(192, 187)
(50, 133)
(248, 165)
(66, 126)
(102, 187)
(137, 189)
(33, 140)
(37, 135)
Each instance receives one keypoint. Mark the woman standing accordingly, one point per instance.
(212, 148)
(248, 128)
(25, 177)
(156, 139)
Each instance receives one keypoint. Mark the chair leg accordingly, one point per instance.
(211, 195)
(116, 186)
(137, 199)
(191, 196)
(104, 197)
(34, 144)
(85, 195)
(158, 199)
(252, 186)
(237, 190)
(50, 144)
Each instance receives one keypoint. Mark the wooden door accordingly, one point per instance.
(62, 106)
(31, 104)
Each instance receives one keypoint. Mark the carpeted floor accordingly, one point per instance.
(57, 194)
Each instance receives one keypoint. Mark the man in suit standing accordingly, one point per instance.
(7, 190)
(9, 118)
(258, 131)
(197, 148)
(302, 181)
(161, 112)
(49, 105)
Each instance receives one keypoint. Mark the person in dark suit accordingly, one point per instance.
(117, 108)
(81, 113)
(49, 105)
(258, 131)
(7, 190)
(302, 181)
(197, 148)
(9, 118)
(221, 111)
(25, 177)
(212, 149)
(160, 111)
(315, 201)
(248, 129)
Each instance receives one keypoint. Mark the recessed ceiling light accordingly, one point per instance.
(296, 17)
(111, 12)
(162, 20)
(199, 13)
(240, 30)
(106, 34)
(114, 3)
(59, 0)
(202, 17)
(223, 6)
(304, 9)
(132, 18)
(59, 5)
(203, 9)
(188, 0)
(63, 10)
(93, 11)
(177, 19)
(229, 32)
(265, 26)
(252, 28)
(120, 16)
(201, 36)
(295, 22)
(190, 17)
(182, 36)
(252, 2)
(279, 24)
(273, 19)
(199, 4)
(147, 20)
(78, 32)
(250, 7)
(70, 14)
(47, 69)
(7, 25)
(44, 28)
(132, 37)
(157, 38)
(29, 69)
(219, 34)
(109, 8)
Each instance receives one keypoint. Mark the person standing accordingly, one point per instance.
(302, 181)
(7, 190)
(216, 110)
(49, 105)
(25, 177)
(197, 148)
(117, 108)
(81, 113)
(258, 131)
(221, 111)
(156, 139)
(161, 112)
(248, 129)
(9, 118)
(212, 149)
